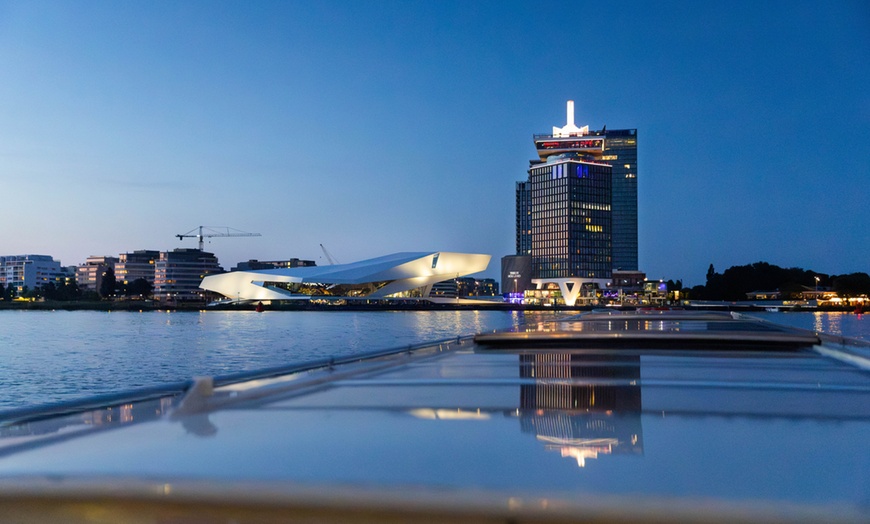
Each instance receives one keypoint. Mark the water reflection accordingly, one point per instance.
(57, 356)
(832, 322)
(828, 323)
(601, 416)
(28, 433)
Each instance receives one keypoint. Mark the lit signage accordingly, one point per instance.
(515, 274)
(593, 144)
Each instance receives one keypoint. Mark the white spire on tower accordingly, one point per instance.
(570, 129)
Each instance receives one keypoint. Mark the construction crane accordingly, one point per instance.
(203, 232)
(331, 260)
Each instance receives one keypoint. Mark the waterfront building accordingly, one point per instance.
(486, 287)
(628, 282)
(617, 148)
(30, 271)
(254, 264)
(444, 289)
(89, 276)
(136, 265)
(178, 274)
(574, 219)
(516, 276)
(391, 277)
(764, 295)
(569, 199)
(476, 287)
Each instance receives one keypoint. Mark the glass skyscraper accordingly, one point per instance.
(524, 218)
(620, 151)
(570, 216)
(576, 214)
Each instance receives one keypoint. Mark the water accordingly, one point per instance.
(834, 323)
(53, 356)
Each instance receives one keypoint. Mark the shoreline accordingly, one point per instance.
(141, 306)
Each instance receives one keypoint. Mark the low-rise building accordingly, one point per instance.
(764, 295)
(89, 276)
(444, 289)
(30, 271)
(398, 276)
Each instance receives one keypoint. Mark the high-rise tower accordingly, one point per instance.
(577, 213)
(620, 151)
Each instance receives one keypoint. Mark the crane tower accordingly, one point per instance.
(203, 232)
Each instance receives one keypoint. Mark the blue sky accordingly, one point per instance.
(376, 127)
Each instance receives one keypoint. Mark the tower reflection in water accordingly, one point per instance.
(582, 406)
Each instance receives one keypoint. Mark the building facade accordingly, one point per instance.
(138, 264)
(89, 276)
(30, 271)
(516, 276)
(620, 151)
(178, 274)
(253, 265)
(524, 218)
(571, 219)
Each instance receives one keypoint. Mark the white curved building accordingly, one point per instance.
(400, 275)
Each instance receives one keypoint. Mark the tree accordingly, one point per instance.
(140, 287)
(714, 289)
(50, 291)
(852, 285)
(108, 284)
(70, 291)
(697, 293)
(61, 291)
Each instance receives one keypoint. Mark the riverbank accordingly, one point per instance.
(150, 305)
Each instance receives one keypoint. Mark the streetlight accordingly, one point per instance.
(817, 282)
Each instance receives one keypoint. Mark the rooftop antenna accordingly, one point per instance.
(570, 129)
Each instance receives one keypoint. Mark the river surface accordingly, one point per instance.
(54, 356)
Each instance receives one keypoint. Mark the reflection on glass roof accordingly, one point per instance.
(788, 428)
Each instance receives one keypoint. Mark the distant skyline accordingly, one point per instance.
(378, 127)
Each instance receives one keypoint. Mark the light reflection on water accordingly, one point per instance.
(832, 322)
(51, 356)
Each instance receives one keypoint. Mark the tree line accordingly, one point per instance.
(735, 282)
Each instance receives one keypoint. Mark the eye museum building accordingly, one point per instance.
(392, 277)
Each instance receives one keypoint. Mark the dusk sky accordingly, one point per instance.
(377, 127)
